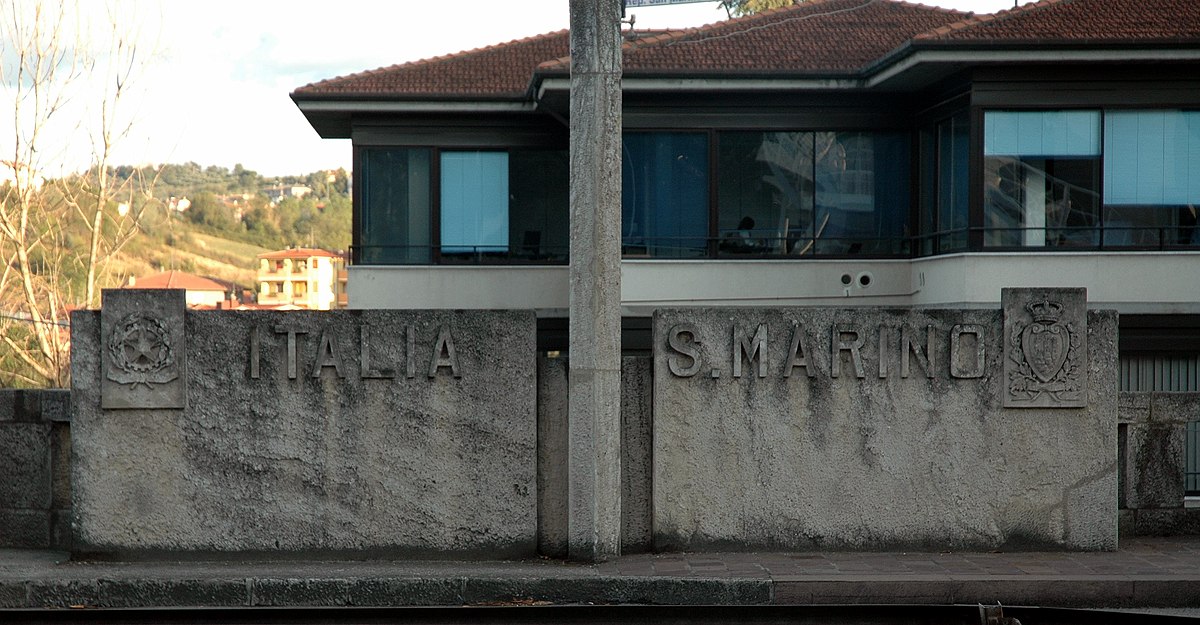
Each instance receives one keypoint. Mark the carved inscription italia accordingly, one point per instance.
(329, 353)
(1045, 348)
(848, 354)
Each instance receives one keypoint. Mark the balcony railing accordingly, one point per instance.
(750, 246)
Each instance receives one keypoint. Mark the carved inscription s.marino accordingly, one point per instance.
(1045, 343)
(853, 350)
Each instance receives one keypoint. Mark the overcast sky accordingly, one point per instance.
(217, 91)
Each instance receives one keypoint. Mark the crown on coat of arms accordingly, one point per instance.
(1045, 311)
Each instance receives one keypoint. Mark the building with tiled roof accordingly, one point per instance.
(201, 292)
(836, 152)
(305, 278)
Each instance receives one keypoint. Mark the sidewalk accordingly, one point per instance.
(1146, 572)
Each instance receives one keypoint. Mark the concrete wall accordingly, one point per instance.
(1151, 442)
(297, 439)
(775, 459)
(1128, 282)
(636, 443)
(35, 451)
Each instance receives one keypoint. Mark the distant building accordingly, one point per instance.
(179, 205)
(277, 193)
(303, 277)
(201, 292)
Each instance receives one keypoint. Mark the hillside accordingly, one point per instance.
(213, 222)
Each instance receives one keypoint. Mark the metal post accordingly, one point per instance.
(594, 480)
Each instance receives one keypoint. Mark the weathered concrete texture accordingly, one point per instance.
(1154, 465)
(552, 456)
(1151, 449)
(797, 458)
(637, 468)
(594, 498)
(25, 465)
(382, 432)
(35, 469)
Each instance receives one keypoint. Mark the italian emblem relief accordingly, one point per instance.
(141, 352)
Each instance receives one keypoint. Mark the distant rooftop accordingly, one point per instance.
(176, 280)
(300, 252)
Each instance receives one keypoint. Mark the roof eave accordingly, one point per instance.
(913, 54)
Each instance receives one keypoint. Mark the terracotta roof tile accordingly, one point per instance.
(818, 37)
(1079, 21)
(822, 36)
(299, 252)
(176, 280)
(501, 70)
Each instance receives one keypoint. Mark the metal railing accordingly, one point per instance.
(751, 245)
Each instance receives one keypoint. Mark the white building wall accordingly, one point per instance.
(1130, 282)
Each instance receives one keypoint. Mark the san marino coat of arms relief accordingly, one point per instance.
(1046, 359)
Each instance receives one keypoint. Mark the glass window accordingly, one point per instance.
(765, 193)
(1041, 178)
(953, 147)
(1151, 178)
(395, 206)
(664, 194)
(539, 206)
(474, 202)
(862, 192)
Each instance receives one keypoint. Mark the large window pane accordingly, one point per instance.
(1041, 178)
(1151, 177)
(664, 194)
(765, 193)
(862, 192)
(953, 146)
(394, 216)
(474, 202)
(539, 206)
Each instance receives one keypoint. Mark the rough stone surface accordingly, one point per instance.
(1133, 407)
(637, 470)
(1154, 465)
(1167, 407)
(25, 465)
(324, 449)
(552, 456)
(860, 461)
(56, 405)
(28, 529)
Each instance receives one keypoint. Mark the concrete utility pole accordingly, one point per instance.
(594, 427)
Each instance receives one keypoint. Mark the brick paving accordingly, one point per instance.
(1144, 573)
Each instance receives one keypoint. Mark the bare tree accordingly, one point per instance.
(50, 65)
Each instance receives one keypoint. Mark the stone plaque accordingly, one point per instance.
(1045, 348)
(345, 433)
(144, 349)
(876, 429)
